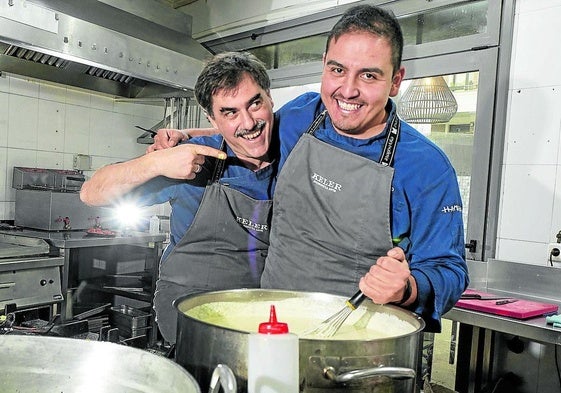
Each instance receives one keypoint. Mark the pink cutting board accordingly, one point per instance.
(521, 309)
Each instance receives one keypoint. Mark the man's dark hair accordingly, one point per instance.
(374, 20)
(224, 72)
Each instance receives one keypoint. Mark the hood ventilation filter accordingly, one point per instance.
(37, 57)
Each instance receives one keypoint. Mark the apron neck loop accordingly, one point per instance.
(317, 121)
(388, 153)
(219, 165)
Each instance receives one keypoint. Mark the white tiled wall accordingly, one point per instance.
(530, 214)
(45, 125)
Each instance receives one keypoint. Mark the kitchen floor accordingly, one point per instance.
(443, 373)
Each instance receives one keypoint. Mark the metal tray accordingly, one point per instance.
(130, 321)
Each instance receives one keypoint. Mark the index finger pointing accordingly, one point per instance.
(209, 151)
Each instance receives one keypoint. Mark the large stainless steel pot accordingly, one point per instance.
(35, 364)
(373, 365)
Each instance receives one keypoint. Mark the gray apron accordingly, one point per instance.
(224, 248)
(331, 215)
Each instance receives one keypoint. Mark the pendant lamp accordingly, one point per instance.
(427, 101)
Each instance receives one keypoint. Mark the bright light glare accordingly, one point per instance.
(128, 215)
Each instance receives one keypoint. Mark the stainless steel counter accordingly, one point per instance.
(76, 239)
(68, 240)
(73, 244)
(477, 329)
(535, 329)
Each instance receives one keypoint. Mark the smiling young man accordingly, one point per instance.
(220, 208)
(361, 200)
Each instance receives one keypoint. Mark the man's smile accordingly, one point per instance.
(347, 106)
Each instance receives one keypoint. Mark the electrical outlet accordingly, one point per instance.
(554, 252)
(82, 162)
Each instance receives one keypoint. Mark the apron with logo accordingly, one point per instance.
(224, 248)
(331, 215)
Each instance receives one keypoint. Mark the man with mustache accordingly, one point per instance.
(363, 200)
(219, 188)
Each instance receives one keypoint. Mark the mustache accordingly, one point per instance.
(257, 127)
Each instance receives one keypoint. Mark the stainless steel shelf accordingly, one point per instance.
(77, 239)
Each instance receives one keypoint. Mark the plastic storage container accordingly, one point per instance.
(272, 358)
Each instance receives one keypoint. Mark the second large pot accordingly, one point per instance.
(36, 364)
(348, 365)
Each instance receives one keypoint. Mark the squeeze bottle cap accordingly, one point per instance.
(273, 326)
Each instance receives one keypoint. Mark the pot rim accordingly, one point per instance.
(408, 315)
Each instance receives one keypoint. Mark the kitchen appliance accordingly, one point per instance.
(48, 179)
(49, 199)
(28, 275)
(133, 49)
(337, 366)
(32, 364)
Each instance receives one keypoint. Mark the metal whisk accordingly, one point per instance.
(332, 324)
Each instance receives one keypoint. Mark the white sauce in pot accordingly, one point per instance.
(301, 316)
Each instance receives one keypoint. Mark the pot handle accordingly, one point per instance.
(223, 376)
(392, 372)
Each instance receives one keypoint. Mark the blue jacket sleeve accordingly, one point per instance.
(437, 251)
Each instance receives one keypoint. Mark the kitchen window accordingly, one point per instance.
(421, 23)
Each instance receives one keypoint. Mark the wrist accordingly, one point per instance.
(185, 134)
(407, 292)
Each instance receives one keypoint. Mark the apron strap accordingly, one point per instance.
(317, 121)
(219, 165)
(388, 153)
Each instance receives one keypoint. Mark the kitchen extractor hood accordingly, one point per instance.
(127, 48)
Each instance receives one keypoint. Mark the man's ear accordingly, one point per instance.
(211, 120)
(270, 98)
(396, 81)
